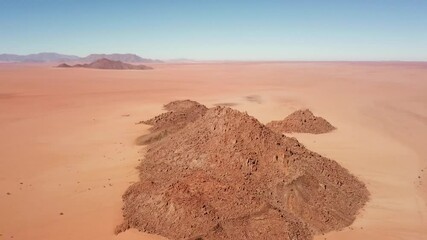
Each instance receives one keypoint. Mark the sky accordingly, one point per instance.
(219, 29)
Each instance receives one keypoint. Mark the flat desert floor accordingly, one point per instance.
(67, 149)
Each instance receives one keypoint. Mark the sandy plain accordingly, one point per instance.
(67, 149)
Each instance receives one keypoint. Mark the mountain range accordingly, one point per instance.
(56, 57)
(105, 63)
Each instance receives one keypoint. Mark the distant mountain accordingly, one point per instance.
(105, 63)
(39, 57)
(130, 58)
(64, 65)
(56, 57)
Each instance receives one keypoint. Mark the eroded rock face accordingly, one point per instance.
(301, 121)
(227, 176)
(179, 114)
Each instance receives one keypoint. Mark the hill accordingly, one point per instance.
(129, 58)
(56, 57)
(301, 121)
(107, 64)
(39, 57)
(224, 175)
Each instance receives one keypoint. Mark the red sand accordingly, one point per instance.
(65, 130)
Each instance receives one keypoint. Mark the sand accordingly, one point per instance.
(62, 129)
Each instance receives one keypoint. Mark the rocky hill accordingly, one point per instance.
(223, 175)
(301, 121)
(107, 64)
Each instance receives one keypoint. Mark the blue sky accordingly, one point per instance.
(219, 29)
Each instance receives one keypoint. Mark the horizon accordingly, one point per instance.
(219, 30)
(210, 60)
(215, 60)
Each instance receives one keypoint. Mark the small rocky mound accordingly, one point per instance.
(301, 121)
(64, 65)
(179, 114)
(183, 105)
(227, 176)
(105, 63)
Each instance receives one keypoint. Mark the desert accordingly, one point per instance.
(74, 140)
(213, 120)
